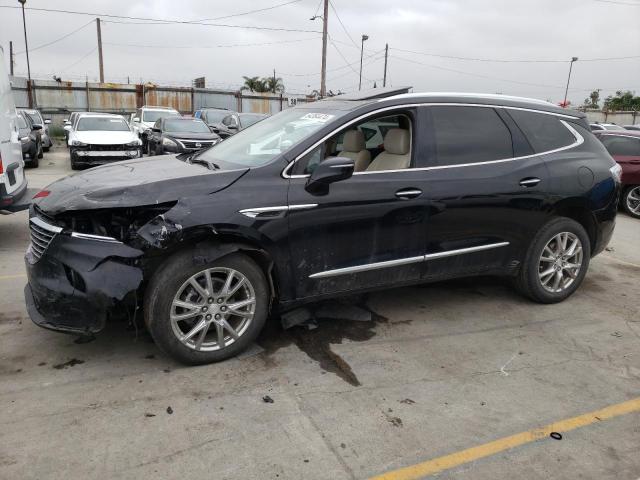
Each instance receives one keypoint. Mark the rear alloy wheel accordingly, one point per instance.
(206, 313)
(631, 201)
(556, 262)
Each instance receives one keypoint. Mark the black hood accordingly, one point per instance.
(205, 136)
(131, 183)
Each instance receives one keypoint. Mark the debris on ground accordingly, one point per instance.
(149, 414)
(556, 435)
(267, 399)
(169, 410)
(407, 401)
(616, 334)
(71, 363)
(610, 249)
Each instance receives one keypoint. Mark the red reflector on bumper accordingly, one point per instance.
(42, 193)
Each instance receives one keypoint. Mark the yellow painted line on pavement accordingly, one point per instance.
(452, 460)
(622, 261)
(9, 277)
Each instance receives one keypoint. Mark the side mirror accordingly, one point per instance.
(67, 128)
(66, 120)
(36, 126)
(136, 119)
(156, 130)
(333, 169)
(47, 122)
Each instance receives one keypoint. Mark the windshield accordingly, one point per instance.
(35, 118)
(188, 126)
(108, 124)
(248, 119)
(21, 122)
(269, 138)
(216, 116)
(152, 115)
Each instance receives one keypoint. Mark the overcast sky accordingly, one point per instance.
(488, 29)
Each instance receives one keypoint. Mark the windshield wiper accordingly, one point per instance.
(202, 161)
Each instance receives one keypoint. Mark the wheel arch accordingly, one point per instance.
(578, 211)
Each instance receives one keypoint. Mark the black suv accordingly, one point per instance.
(297, 208)
(180, 135)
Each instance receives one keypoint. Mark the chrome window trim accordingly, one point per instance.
(44, 225)
(579, 138)
(254, 212)
(99, 238)
(405, 261)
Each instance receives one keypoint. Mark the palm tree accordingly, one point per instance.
(253, 84)
(274, 84)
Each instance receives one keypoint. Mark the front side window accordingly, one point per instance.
(106, 124)
(266, 140)
(215, 116)
(152, 115)
(621, 146)
(35, 118)
(22, 122)
(469, 135)
(544, 132)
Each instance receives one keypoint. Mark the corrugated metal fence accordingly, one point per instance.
(57, 99)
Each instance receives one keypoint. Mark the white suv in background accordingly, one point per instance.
(13, 184)
(144, 119)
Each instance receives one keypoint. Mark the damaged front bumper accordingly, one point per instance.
(75, 282)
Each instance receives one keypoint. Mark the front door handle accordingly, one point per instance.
(529, 182)
(407, 193)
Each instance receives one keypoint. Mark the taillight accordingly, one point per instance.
(41, 194)
(1, 170)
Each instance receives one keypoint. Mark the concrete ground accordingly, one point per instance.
(442, 368)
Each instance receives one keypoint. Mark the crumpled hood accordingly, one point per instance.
(132, 183)
(105, 138)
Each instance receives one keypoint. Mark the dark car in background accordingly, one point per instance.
(180, 135)
(36, 118)
(213, 117)
(31, 139)
(624, 147)
(276, 217)
(234, 122)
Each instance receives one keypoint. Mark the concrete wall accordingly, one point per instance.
(56, 100)
(619, 118)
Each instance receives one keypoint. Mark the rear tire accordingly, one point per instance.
(631, 200)
(211, 307)
(551, 271)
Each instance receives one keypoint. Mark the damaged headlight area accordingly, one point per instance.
(120, 224)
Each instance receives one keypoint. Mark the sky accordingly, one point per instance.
(499, 44)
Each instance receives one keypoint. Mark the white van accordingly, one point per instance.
(13, 184)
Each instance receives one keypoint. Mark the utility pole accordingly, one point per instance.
(274, 80)
(325, 26)
(11, 58)
(26, 48)
(573, 59)
(100, 51)
(386, 55)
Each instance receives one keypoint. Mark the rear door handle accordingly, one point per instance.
(407, 193)
(529, 182)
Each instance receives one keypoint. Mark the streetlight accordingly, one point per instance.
(364, 37)
(26, 48)
(573, 59)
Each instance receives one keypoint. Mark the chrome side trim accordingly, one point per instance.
(579, 139)
(254, 212)
(368, 266)
(44, 225)
(462, 251)
(405, 261)
(99, 238)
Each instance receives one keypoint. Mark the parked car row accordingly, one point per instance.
(226, 122)
(600, 127)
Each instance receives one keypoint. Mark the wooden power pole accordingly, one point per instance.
(386, 55)
(11, 58)
(100, 60)
(323, 74)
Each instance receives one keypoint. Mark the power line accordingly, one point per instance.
(58, 39)
(342, 24)
(619, 3)
(329, 70)
(347, 61)
(156, 21)
(210, 46)
(251, 11)
(79, 60)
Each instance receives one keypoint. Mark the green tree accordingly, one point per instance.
(593, 100)
(254, 84)
(622, 101)
(274, 84)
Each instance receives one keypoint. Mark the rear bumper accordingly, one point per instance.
(77, 284)
(17, 200)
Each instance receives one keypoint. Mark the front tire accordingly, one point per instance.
(631, 200)
(556, 262)
(200, 313)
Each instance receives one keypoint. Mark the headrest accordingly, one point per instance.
(396, 141)
(353, 141)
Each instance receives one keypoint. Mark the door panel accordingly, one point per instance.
(360, 223)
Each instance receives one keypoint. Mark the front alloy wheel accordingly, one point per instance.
(631, 201)
(212, 309)
(202, 312)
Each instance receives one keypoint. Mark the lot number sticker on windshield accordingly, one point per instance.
(318, 117)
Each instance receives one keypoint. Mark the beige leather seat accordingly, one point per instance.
(397, 151)
(353, 147)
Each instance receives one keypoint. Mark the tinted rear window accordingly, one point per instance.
(623, 146)
(470, 135)
(544, 132)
